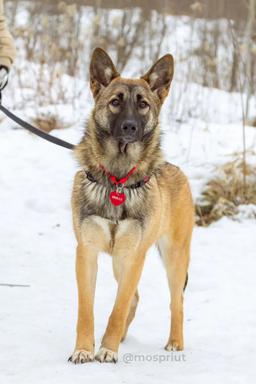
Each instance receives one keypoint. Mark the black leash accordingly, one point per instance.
(36, 131)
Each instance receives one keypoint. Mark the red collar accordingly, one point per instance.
(113, 179)
(118, 196)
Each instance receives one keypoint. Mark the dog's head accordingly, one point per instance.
(128, 109)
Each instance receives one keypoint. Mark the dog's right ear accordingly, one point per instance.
(102, 71)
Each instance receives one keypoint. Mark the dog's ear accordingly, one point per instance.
(102, 71)
(160, 75)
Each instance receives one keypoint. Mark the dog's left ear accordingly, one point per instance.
(160, 75)
(102, 71)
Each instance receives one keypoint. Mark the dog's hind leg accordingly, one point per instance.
(132, 313)
(176, 259)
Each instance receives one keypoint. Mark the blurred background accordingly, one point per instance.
(214, 46)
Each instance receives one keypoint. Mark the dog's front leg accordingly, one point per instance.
(86, 271)
(131, 271)
(93, 236)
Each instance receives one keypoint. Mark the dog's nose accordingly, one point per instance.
(129, 128)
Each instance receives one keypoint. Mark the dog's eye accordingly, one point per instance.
(115, 102)
(143, 104)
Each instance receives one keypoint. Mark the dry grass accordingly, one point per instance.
(226, 191)
(49, 122)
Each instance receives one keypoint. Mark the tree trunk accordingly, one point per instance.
(248, 54)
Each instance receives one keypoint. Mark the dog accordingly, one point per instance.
(126, 197)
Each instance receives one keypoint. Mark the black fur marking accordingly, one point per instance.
(101, 134)
(186, 283)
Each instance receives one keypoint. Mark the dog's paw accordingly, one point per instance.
(174, 346)
(105, 355)
(81, 356)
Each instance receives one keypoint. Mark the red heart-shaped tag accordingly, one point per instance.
(117, 198)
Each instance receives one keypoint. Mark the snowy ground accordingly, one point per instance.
(37, 323)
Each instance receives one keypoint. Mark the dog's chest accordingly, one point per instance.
(114, 234)
(95, 200)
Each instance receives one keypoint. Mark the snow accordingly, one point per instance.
(201, 130)
(38, 248)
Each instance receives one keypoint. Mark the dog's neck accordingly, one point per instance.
(98, 148)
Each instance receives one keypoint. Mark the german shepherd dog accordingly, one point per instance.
(126, 198)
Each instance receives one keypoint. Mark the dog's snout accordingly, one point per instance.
(129, 128)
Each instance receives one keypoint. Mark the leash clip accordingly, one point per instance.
(120, 188)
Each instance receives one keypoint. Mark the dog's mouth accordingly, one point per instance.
(123, 144)
(123, 147)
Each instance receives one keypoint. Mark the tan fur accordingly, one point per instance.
(168, 223)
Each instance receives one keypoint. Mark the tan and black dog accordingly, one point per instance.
(126, 198)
